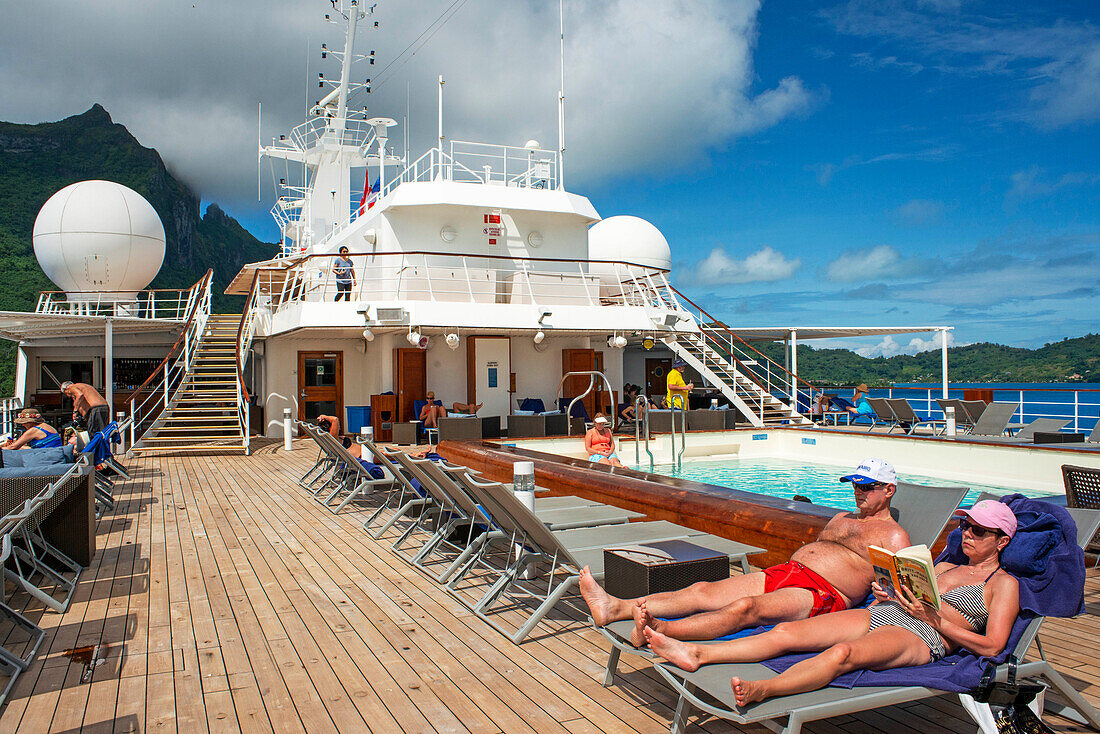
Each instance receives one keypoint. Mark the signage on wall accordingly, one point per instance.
(494, 228)
(492, 376)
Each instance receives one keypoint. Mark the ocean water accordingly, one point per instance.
(785, 478)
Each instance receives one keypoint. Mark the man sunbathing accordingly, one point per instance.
(331, 424)
(434, 410)
(828, 575)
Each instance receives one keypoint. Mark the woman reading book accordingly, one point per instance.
(979, 603)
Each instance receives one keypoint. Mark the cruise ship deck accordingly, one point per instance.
(223, 598)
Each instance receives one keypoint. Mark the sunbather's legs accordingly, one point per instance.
(467, 407)
(700, 597)
(881, 649)
(781, 605)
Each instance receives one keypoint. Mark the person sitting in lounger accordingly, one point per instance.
(980, 603)
(860, 405)
(331, 424)
(828, 575)
(37, 434)
(434, 410)
(630, 394)
(599, 443)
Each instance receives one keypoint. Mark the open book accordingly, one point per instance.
(910, 566)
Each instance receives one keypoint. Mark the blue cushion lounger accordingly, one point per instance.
(1057, 590)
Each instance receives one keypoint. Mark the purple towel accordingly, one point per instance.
(1057, 591)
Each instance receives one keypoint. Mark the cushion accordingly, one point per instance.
(524, 412)
(13, 458)
(42, 457)
(1037, 534)
(42, 470)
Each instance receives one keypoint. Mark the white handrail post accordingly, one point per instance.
(133, 422)
(1076, 416)
(1022, 406)
(287, 445)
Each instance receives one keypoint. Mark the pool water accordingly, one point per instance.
(819, 482)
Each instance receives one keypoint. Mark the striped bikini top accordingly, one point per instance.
(969, 600)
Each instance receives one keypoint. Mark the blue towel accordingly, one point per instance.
(374, 470)
(1056, 591)
(533, 404)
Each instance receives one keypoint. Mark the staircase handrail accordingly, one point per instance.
(716, 325)
(198, 311)
(243, 344)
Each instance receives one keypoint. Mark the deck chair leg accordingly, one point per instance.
(612, 667)
(397, 515)
(36, 633)
(1080, 709)
(465, 555)
(351, 495)
(683, 710)
(545, 607)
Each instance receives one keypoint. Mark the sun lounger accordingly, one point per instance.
(351, 478)
(1094, 437)
(907, 417)
(566, 552)
(709, 688)
(1082, 485)
(1040, 425)
(922, 510)
(884, 414)
(994, 419)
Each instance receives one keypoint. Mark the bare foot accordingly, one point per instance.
(684, 655)
(747, 691)
(642, 619)
(598, 600)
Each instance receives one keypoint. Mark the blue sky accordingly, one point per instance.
(845, 162)
(946, 171)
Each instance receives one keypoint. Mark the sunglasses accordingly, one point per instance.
(976, 530)
(868, 487)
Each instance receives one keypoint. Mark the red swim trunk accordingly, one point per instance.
(793, 575)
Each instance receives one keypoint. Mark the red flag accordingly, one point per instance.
(366, 188)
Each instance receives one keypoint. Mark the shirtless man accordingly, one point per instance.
(89, 405)
(827, 575)
(331, 424)
(432, 412)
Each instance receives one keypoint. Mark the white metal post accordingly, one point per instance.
(794, 369)
(440, 106)
(109, 365)
(287, 446)
(133, 422)
(943, 355)
(165, 387)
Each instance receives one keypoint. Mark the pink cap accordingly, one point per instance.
(992, 514)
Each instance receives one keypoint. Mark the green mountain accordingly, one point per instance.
(1070, 360)
(38, 160)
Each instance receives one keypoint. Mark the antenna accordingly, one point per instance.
(440, 114)
(561, 100)
(260, 144)
(405, 125)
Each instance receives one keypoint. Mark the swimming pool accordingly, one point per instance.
(779, 477)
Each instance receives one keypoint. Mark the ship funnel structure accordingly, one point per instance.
(99, 240)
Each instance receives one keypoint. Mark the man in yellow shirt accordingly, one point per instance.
(675, 388)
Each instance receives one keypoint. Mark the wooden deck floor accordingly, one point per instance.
(223, 599)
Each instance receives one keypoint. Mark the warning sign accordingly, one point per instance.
(493, 231)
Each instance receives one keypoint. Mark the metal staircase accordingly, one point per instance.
(758, 405)
(202, 412)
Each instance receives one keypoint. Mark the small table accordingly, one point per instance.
(406, 434)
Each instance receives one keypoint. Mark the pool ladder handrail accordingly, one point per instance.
(677, 458)
(592, 374)
(641, 408)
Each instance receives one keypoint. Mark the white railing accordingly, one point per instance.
(1080, 406)
(463, 278)
(169, 305)
(465, 162)
(155, 395)
(9, 408)
(244, 342)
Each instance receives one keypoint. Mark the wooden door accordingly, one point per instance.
(578, 360)
(656, 376)
(410, 376)
(321, 385)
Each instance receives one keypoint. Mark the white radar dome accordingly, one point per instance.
(626, 239)
(99, 237)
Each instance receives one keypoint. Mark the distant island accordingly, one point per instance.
(38, 160)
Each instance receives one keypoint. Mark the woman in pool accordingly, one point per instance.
(979, 603)
(599, 443)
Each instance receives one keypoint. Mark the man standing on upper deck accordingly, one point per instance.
(89, 405)
(677, 390)
(828, 575)
(344, 271)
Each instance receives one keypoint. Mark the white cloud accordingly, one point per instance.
(920, 212)
(186, 77)
(764, 265)
(1033, 183)
(826, 171)
(889, 347)
(870, 263)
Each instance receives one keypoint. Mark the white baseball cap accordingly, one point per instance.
(599, 419)
(871, 471)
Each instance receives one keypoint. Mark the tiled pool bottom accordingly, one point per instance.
(786, 477)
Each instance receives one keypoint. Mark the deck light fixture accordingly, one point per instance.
(647, 343)
(368, 335)
(545, 315)
(539, 336)
(452, 340)
(413, 337)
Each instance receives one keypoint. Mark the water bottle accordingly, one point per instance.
(949, 414)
